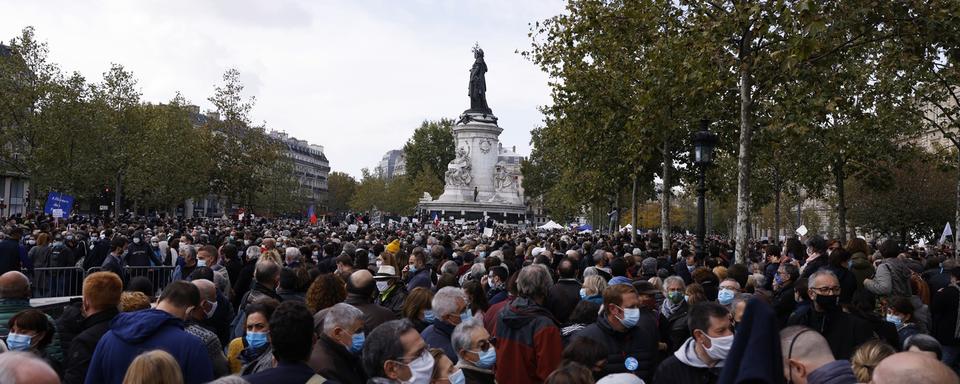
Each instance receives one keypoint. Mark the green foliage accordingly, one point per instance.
(430, 148)
(398, 195)
(342, 188)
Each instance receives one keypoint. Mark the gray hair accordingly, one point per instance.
(445, 301)
(341, 315)
(292, 254)
(674, 280)
(534, 281)
(821, 272)
(253, 252)
(12, 362)
(462, 337)
(599, 255)
(188, 250)
(450, 268)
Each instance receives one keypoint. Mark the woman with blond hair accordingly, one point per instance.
(154, 367)
(866, 358)
(592, 290)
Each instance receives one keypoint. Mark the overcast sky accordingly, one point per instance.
(356, 77)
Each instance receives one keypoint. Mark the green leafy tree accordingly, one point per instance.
(431, 146)
(342, 188)
(118, 98)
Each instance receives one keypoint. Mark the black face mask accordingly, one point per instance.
(828, 303)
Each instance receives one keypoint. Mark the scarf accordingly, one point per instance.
(668, 307)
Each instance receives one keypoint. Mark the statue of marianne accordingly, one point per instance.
(478, 83)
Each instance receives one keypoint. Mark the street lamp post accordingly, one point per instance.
(704, 142)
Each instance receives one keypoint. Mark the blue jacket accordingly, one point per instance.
(438, 335)
(133, 333)
(419, 278)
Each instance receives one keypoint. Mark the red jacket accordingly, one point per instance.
(528, 343)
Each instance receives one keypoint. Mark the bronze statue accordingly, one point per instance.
(478, 83)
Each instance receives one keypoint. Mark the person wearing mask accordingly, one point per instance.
(843, 331)
(32, 331)
(360, 291)
(807, 359)
(673, 314)
(139, 253)
(783, 291)
(450, 307)
(700, 358)
(565, 294)
(416, 273)
(628, 333)
(291, 350)
(208, 256)
(188, 254)
(900, 314)
(266, 279)
(100, 298)
(684, 268)
(476, 355)
(416, 308)
(592, 289)
(208, 295)
(525, 328)
(395, 353)
(340, 339)
(729, 288)
(390, 292)
(496, 281)
(252, 347)
(113, 262)
(162, 328)
(816, 256)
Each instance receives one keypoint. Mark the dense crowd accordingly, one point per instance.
(286, 301)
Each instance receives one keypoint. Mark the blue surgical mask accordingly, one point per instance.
(256, 339)
(201, 263)
(630, 317)
(19, 341)
(429, 317)
(457, 377)
(486, 358)
(357, 344)
(896, 320)
(583, 293)
(686, 298)
(466, 315)
(778, 279)
(412, 268)
(725, 297)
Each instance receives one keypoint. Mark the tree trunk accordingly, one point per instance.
(633, 211)
(841, 199)
(956, 250)
(776, 216)
(117, 194)
(665, 197)
(743, 160)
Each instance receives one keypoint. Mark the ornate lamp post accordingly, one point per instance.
(704, 142)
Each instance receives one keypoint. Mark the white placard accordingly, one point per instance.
(352, 228)
(57, 212)
(458, 222)
(488, 232)
(802, 231)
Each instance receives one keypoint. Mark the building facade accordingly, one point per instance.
(393, 164)
(311, 167)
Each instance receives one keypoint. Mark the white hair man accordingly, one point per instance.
(451, 308)
(340, 339)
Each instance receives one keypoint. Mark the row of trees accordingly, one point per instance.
(69, 135)
(427, 153)
(805, 96)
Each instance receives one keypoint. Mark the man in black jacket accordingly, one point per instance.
(783, 300)
(700, 358)
(843, 331)
(628, 333)
(101, 295)
(139, 253)
(565, 294)
(336, 354)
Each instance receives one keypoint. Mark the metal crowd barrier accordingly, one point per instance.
(68, 281)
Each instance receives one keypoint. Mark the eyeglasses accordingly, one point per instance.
(826, 290)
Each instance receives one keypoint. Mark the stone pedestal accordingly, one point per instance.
(476, 185)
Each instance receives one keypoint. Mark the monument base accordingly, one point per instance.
(469, 211)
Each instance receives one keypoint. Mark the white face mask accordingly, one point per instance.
(421, 369)
(719, 346)
(136, 240)
(382, 286)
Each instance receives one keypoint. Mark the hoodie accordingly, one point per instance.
(528, 343)
(755, 356)
(133, 333)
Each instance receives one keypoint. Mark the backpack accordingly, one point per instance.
(240, 319)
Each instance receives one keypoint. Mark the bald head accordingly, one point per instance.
(24, 367)
(804, 351)
(913, 368)
(208, 290)
(361, 283)
(14, 285)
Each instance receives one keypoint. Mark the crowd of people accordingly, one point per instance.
(286, 301)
